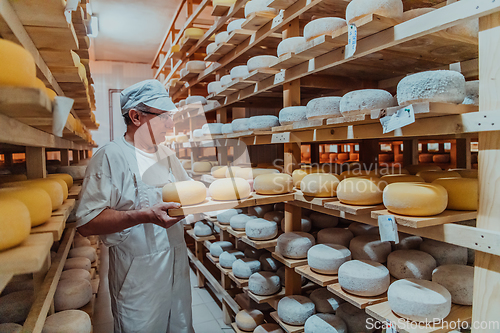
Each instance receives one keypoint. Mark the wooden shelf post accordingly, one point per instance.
(222, 151)
(65, 157)
(76, 157)
(460, 156)
(35, 162)
(410, 152)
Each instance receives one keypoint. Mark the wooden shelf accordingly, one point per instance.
(352, 209)
(358, 301)
(384, 313)
(55, 226)
(286, 327)
(223, 270)
(240, 84)
(238, 36)
(189, 76)
(4, 280)
(213, 259)
(447, 216)
(281, 4)
(27, 257)
(24, 104)
(320, 279)
(240, 283)
(220, 10)
(236, 233)
(265, 299)
(257, 20)
(264, 244)
(199, 239)
(222, 227)
(261, 74)
(74, 192)
(299, 196)
(65, 209)
(290, 263)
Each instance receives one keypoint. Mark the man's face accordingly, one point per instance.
(155, 124)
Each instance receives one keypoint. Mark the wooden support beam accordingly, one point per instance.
(65, 157)
(460, 153)
(35, 162)
(76, 157)
(410, 152)
(7, 157)
(368, 153)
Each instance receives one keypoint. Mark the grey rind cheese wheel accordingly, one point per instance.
(72, 294)
(202, 230)
(268, 263)
(227, 129)
(227, 258)
(365, 99)
(320, 220)
(458, 280)
(294, 245)
(281, 274)
(407, 242)
(216, 248)
(274, 216)
(432, 86)
(268, 328)
(10, 328)
(295, 309)
(69, 321)
(260, 211)
(325, 323)
(261, 62)
(212, 128)
(83, 251)
(239, 221)
(264, 283)
(327, 258)
(356, 9)
(14, 307)
(289, 115)
(77, 273)
(323, 26)
(323, 107)
(361, 229)
(325, 301)
(354, 318)
(419, 300)
(214, 86)
(364, 277)
(248, 320)
(369, 247)
(240, 125)
(403, 264)
(471, 93)
(253, 253)
(80, 262)
(243, 268)
(305, 224)
(335, 236)
(444, 253)
(261, 229)
(225, 216)
(262, 122)
(234, 25)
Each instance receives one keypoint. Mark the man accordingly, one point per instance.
(121, 201)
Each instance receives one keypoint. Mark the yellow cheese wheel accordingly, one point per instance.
(360, 191)
(175, 48)
(299, 174)
(12, 178)
(51, 186)
(358, 173)
(229, 189)
(465, 173)
(273, 183)
(40, 85)
(64, 186)
(185, 192)
(51, 93)
(342, 157)
(64, 176)
(463, 193)
(15, 224)
(194, 33)
(17, 66)
(430, 176)
(245, 173)
(76, 58)
(201, 167)
(425, 158)
(223, 2)
(415, 199)
(414, 169)
(321, 185)
(231, 171)
(219, 171)
(441, 158)
(389, 179)
(36, 200)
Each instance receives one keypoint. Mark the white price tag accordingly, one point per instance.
(388, 228)
(404, 116)
(280, 137)
(390, 327)
(352, 39)
(279, 77)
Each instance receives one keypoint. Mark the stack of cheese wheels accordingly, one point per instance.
(261, 62)
(273, 183)
(294, 245)
(15, 224)
(240, 125)
(430, 176)
(83, 251)
(357, 9)
(196, 66)
(258, 7)
(226, 80)
(419, 300)
(323, 107)
(248, 320)
(364, 278)
(292, 114)
(443, 86)
(69, 321)
(321, 185)
(36, 200)
(15, 307)
(458, 280)
(185, 192)
(235, 25)
(239, 72)
(290, 45)
(196, 100)
(360, 191)
(415, 199)
(365, 100)
(463, 193)
(295, 309)
(17, 66)
(327, 258)
(263, 122)
(229, 189)
(414, 169)
(398, 178)
(323, 26)
(201, 167)
(214, 87)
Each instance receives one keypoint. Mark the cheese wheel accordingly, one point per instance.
(14, 307)
(441, 158)
(268, 263)
(12, 178)
(412, 13)
(360, 191)
(240, 125)
(260, 210)
(69, 321)
(295, 309)
(216, 248)
(74, 263)
(239, 72)
(243, 268)
(444, 253)
(72, 294)
(227, 258)
(327, 258)
(36, 200)
(305, 224)
(51, 186)
(229, 189)
(186, 164)
(212, 128)
(342, 157)
(64, 187)
(463, 193)
(323, 26)
(196, 100)
(263, 122)
(185, 192)
(325, 301)
(290, 45)
(261, 62)
(245, 173)
(17, 65)
(201, 167)
(183, 72)
(324, 323)
(83, 251)
(10, 328)
(219, 171)
(292, 114)
(264, 283)
(364, 278)
(226, 80)
(294, 245)
(231, 171)
(263, 171)
(471, 93)
(362, 229)
(182, 102)
(466, 173)
(414, 169)
(258, 6)
(273, 183)
(261, 229)
(365, 99)
(227, 129)
(320, 185)
(77, 273)
(214, 87)
(268, 328)
(194, 33)
(248, 320)
(64, 176)
(443, 86)
(211, 48)
(15, 224)
(354, 318)
(196, 66)
(202, 229)
(335, 236)
(235, 25)
(52, 94)
(419, 300)
(357, 9)
(299, 174)
(221, 37)
(175, 48)
(430, 176)
(389, 179)
(369, 247)
(323, 107)
(76, 58)
(403, 264)
(458, 280)
(415, 199)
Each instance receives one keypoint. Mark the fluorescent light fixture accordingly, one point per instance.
(94, 27)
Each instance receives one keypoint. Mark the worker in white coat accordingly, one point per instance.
(121, 201)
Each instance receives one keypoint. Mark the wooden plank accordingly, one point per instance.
(50, 13)
(261, 74)
(54, 225)
(261, 199)
(74, 191)
(53, 38)
(189, 76)
(299, 196)
(65, 209)
(352, 209)
(265, 299)
(4, 280)
(220, 10)
(290, 263)
(200, 239)
(240, 283)
(281, 4)
(236, 329)
(238, 36)
(27, 257)
(383, 312)
(358, 301)
(447, 216)
(320, 279)
(264, 244)
(236, 233)
(427, 109)
(213, 259)
(18, 103)
(286, 327)
(223, 270)
(257, 20)
(289, 60)
(240, 84)
(319, 46)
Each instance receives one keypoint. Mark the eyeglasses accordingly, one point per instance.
(163, 116)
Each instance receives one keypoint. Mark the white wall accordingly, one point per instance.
(113, 75)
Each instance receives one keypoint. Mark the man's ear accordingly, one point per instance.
(134, 117)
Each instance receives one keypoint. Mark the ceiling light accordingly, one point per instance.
(94, 27)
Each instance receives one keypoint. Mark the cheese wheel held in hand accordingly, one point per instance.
(185, 192)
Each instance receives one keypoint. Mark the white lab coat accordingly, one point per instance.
(149, 271)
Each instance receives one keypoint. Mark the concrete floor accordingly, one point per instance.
(207, 315)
